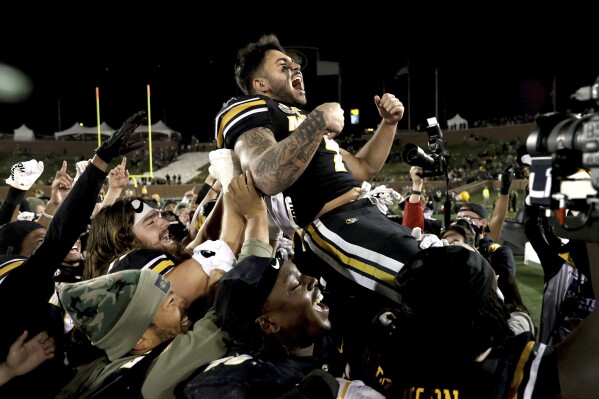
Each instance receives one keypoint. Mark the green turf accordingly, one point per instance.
(530, 283)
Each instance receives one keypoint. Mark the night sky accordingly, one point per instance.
(494, 64)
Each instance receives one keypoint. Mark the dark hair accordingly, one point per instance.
(465, 229)
(250, 58)
(471, 332)
(449, 285)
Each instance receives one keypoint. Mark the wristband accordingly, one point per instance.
(47, 215)
(414, 192)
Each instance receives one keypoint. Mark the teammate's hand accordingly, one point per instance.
(332, 114)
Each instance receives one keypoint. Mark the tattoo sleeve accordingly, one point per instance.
(277, 165)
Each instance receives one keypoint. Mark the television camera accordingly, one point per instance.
(564, 169)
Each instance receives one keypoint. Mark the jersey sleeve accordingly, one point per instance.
(239, 115)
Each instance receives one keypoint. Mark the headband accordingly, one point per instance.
(141, 210)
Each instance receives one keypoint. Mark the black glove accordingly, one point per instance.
(506, 180)
(119, 143)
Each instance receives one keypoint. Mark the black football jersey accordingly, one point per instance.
(144, 258)
(325, 178)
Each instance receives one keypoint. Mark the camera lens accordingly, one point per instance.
(415, 156)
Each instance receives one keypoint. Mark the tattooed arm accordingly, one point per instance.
(277, 165)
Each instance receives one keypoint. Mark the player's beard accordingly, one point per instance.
(282, 92)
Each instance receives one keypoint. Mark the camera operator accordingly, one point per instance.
(499, 256)
(568, 296)
(562, 202)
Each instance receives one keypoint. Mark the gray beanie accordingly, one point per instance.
(114, 310)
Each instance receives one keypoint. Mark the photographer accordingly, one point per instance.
(413, 213)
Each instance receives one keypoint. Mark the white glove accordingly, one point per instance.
(384, 196)
(224, 166)
(80, 167)
(24, 174)
(26, 216)
(428, 240)
(356, 390)
(285, 248)
(417, 233)
(432, 240)
(214, 255)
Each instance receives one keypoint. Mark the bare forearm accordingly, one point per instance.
(276, 166)
(6, 374)
(112, 194)
(373, 155)
(99, 163)
(232, 225)
(257, 227)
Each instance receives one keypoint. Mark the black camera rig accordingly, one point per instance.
(434, 164)
(564, 174)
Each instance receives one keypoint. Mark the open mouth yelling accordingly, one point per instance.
(317, 304)
(298, 83)
(166, 238)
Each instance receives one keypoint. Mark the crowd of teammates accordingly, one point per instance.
(288, 280)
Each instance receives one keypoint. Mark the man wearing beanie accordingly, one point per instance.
(278, 331)
(115, 312)
(127, 314)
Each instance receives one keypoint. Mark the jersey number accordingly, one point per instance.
(331, 145)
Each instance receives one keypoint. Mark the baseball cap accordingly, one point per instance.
(476, 208)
